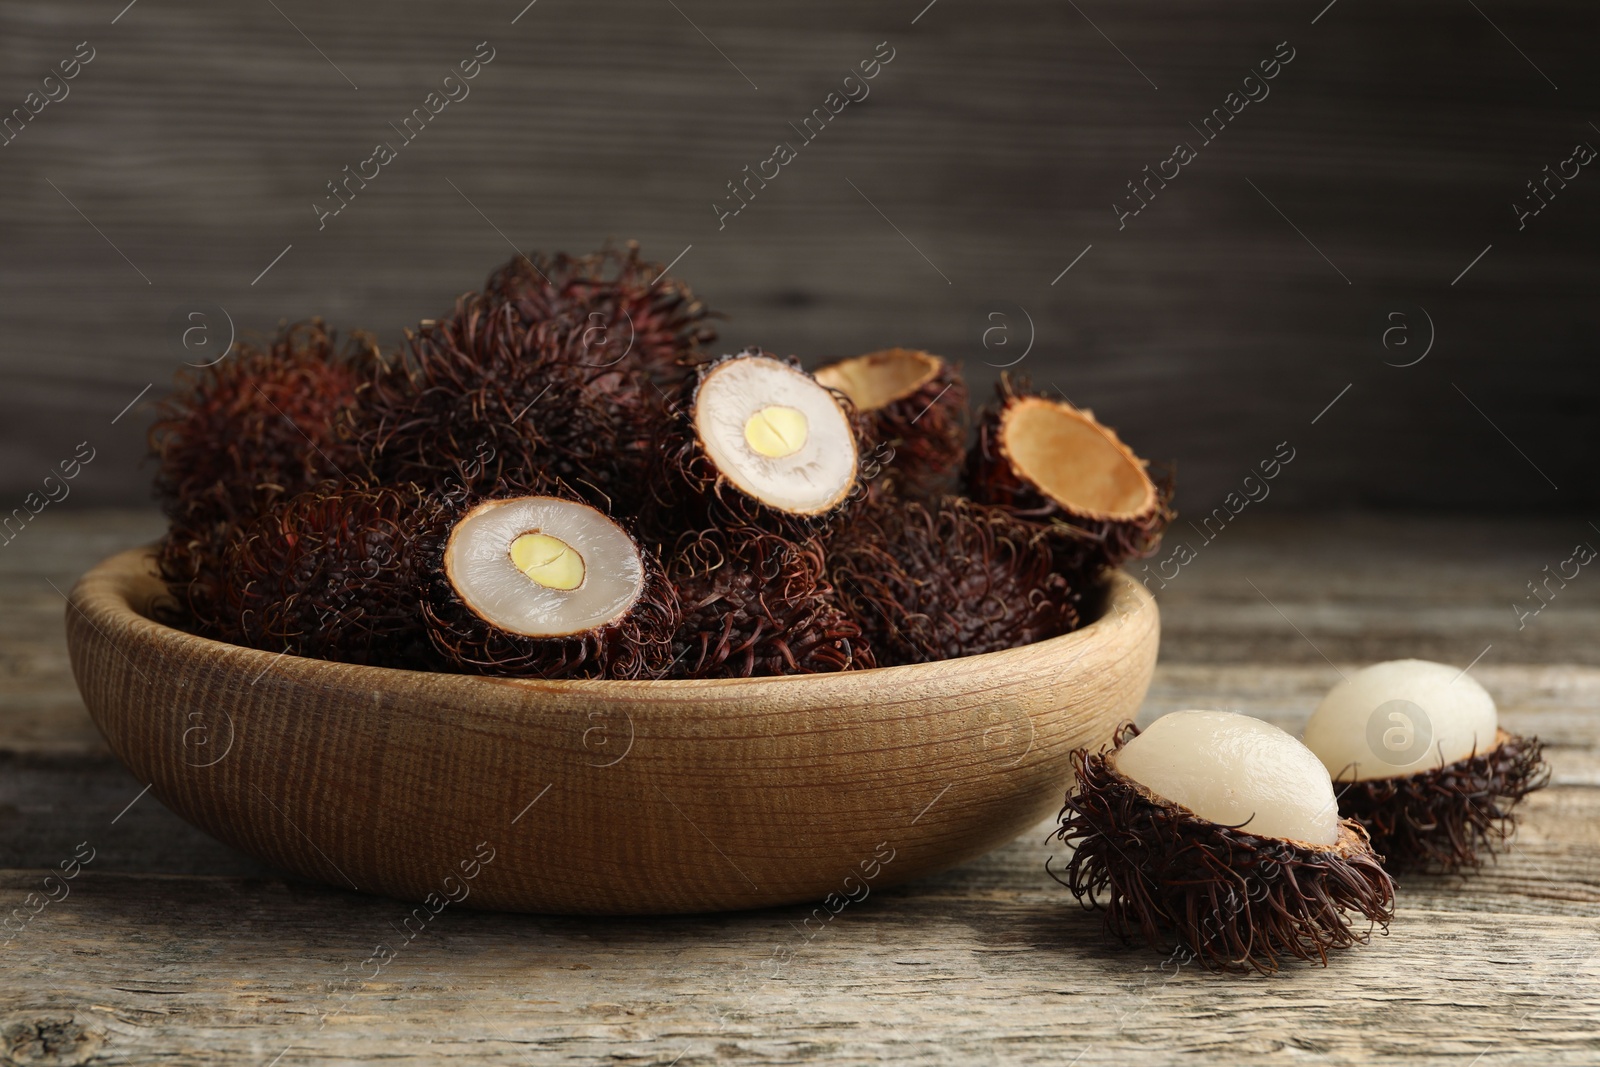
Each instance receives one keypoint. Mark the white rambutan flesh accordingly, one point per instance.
(543, 567)
(775, 434)
(1400, 718)
(1235, 770)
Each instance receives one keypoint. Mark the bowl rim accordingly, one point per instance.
(103, 591)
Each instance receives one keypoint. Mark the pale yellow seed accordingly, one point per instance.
(547, 561)
(776, 431)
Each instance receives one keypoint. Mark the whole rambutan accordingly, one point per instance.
(950, 578)
(914, 408)
(755, 441)
(260, 425)
(1050, 462)
(629, 315)
(755, 603)
(335, 573)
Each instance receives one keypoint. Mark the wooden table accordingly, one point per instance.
(174, 948)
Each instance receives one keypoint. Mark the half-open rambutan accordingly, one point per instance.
(258, 426)
(914, 407)
(755, 440)
(754, 604)
(948, 579)
(485, 397)
(549, 587)
(1417, 754)
(1048, 461)
(335, 573)
(1216, 834)
(630, 315)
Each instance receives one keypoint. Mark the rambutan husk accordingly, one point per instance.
(1050, 462)
(258, 426)
(1235, 901)
(335, 573)
(1439, 820)
(631, 315)
(485, 398)
(755, 604)
(689, 491)
(913, 407)
(947, 579)
(636, 643)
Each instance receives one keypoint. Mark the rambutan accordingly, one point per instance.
(335, 573)
(756, 441)
(950, 578)
(755, 603)
(1418, 756)
(258, 426)
(1218, 832)
(549, 587)
(1048, 461)
(914, 407)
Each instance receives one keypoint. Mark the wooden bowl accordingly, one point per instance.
(599, 797)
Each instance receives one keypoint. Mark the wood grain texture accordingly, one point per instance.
(672, 796)
(1206, 330)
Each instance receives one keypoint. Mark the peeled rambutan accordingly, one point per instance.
(950, 578)
(1048, 461)
(755, 603)
(549, 587)
(914, 407)
(1418, 756)
(485, 397)
(629, 314)
(1219, 832)
(755, 441)
(335, 573)
(260, 425)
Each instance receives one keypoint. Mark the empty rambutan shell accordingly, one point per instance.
(1049, 461)
(1418, 757)
(755, 440)
(1217, 834)
(754, 604)
(913, 405)
(947, 579)
(551, 587)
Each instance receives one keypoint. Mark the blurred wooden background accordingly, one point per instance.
(1222, 320)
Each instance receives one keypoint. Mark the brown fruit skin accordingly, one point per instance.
(1084, 547)
(756, 604)
(1232, 901)
(1439, 820)
(485, 399)
(630, 315)
(257, 427)
(948, 579)
(686, 491)
(920, 440)
(335, 573)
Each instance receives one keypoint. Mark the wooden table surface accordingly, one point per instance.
(171, 947)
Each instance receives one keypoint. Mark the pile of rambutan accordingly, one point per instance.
(560, 479)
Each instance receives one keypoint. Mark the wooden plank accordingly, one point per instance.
(1206, 328)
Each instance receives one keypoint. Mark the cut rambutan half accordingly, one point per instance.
(913, 406)
(259, 426)
(546, 586)
(1048, 461)
(1417, 754)
(757, 441)
(334, 573)
(948, 579)
(1216, 835)
(754, 604)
